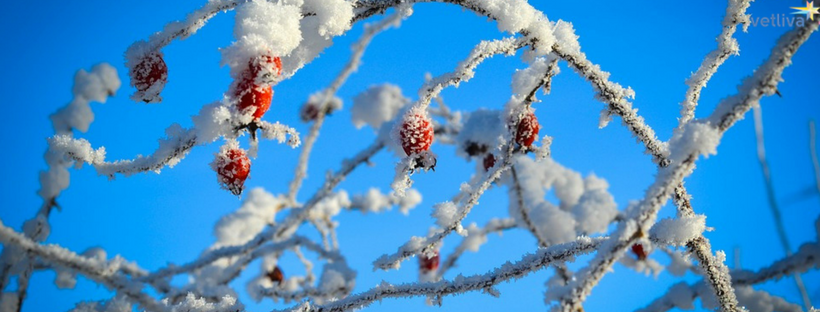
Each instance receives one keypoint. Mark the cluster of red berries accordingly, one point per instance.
(249, 93)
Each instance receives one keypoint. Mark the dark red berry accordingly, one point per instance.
(527, 131)
(429, 264)
(276, 275)
(150, 75)
(638, 250)
(489, 162)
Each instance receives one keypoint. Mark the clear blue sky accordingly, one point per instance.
(156, 219)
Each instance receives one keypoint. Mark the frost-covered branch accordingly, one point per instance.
(609, 92)
(103, 272)
(97, 85)
(727, 46)
(528, 264)
(681, 295)
(226, 252)
(696, 139)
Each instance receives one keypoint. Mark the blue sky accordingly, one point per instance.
(155, 219)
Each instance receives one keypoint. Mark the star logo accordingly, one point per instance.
(809, 10)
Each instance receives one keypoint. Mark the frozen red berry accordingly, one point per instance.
(527, 131)
(638, 250)
(416, 133)
(249, 92)
(428, 264)
(232, 167)
(149, 76)
(489, 161)
(276, 275)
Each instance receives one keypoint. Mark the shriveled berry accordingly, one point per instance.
(149, 76)
(527, 131)
(429, 264)
(416, 133)
(232, 167)
(276, 275)
(489, 161)
(638, 250)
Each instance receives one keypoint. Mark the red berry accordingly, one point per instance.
(276, 275)
(416, 133)
(150, 71)
(527, 130)
(489, 161)
(429, 264)
(232, 168)
(249, 93)
(637, 249)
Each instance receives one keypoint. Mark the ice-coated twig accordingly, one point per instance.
(227, 252)
(418, 245)
(465, 70)
(525, 216)
(775, 208)
(170, 152)
(370, 31)
(299, 215)
(528, 264)
(807, 258)
(613, 94)
(763, 82)
(727, 46)
(183, 29)
(103, 272)
(494, 225)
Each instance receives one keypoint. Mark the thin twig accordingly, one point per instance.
(775, 208)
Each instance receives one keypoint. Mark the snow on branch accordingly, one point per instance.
(682, 295)
(528, 264)
(274, 39)
(104, 272)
